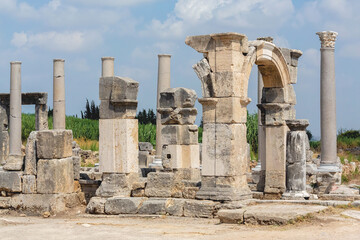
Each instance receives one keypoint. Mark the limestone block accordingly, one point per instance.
(118, 89)
(145, 146)
(54, 144)
(41, 117)
(10, 181)
(224, 149)
(295, 55)
(55, 175)
(286, 53)
(4, 146)
(177, 98)
(118, 145)
(96, 206)
(273, 95)
(111, 111)
(115, 184)
(179, 134)
(4, 117)
(76, 166)
(29, 184)
(153, 206)
(200, 209)
(231, 110)
(5, 202)
(228, 83)
(181, 156)
(293, 74)
(143, 159)
(231, 215)
(206, 76)
(209, 109)
(175, 207)
(275, 114)
(183, 116)
(119, 205)
(159, 184)
(30, 154)
(14, 163)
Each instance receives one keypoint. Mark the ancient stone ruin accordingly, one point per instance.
(132, 178)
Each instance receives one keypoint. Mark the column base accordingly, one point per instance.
(330, 168)
(157, 163)
(295, 195)
(14, 163)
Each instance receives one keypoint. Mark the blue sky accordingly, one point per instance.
(134, 32)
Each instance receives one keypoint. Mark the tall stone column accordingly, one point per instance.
(59, 94)
(15, 161)
(328, 103)
(107, 69)
(163, 83)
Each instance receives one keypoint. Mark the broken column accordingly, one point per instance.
(179, 135)
(328, 103)
(15, 159)
(118, 134)
(297, 149)
(59, 94)
(107, 69)
(224, 146)
(163, 83)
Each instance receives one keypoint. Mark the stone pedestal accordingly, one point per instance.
(328, 103)
(59, 94)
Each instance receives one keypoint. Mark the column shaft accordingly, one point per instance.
(59, 94)
(107, 67)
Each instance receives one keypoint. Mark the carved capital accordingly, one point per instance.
(327, 39)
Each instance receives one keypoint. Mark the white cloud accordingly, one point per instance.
(57, 41)
(110, 3)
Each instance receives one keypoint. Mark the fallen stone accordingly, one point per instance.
(201, 209)
(54, 144)
(120, 205)
(175, 207)
(10, 181)
(96, 206)
(153, 206)
(344, 190)
(352, 213)
(231, 215)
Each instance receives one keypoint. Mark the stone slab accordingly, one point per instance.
(153, 206)
(14, 163)
(159, 184)
(96, 205)
(115, 184)
(235, 216)
(55, 176)
(200, 209)
(54, 144)
(175, 207)
(10, 181)
(119, 205)
(111, 111)
(352, 213)
(179, 135)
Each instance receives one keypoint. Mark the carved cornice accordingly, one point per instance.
(327, 39)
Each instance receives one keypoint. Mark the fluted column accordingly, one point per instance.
(163, 83)
(328, 102)
(59, 94)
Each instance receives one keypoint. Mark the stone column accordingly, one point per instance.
(328, 103)
(163, 83)
(107, 69)
(59, 94)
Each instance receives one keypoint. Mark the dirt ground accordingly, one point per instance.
(80, 226)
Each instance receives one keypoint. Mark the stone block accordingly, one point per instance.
(55, 175)
(29, 184)
(143, 159)
(177, 98)
(118, 145)
(30, 154)
(115, 184)
(4, 146)
(235, 216)
(54, 144)
(145, 146)
(110, 111)
(275, 114)
(76, 167)
(179, 135)
(293, 74)
(206, 76)
(181, 156)
(10, 181)
(14, 163)
(182, 116)
(175, 207)
(295, 55)
(118, 89)
(120, 205)
(224, 150)
(96, 206)
(4, 117)
(153, 206)
(286, 53)
(5, 202)
(200, 209)
(273, 95)
(159, 184)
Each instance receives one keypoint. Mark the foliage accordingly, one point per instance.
(348, 139)
(147, 133)
(349, 134)
(309, 134)
(91, 111)
(200, 131)
(315, 146)
(146, 117)
(87, 144)
(252, 131)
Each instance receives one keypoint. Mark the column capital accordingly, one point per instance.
(327, 39)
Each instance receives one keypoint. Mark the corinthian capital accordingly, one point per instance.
(327, 39)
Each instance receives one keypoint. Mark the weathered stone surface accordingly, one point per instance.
(76, 166)
(4, 117)
(344, 190)
(118, 89)
(55, 175)
(143, 159)
(231, 215)
(119, 205)
(182, 116)
(356, 203)
(278, 213)
(177, 98)
(118, 145)
(175, 207)
(115, 184)
(29, 184)
(181, 156)
(5, 202)
(276, 113)
(10, 181)
(202, 209)
(14, 163)
(145, 146)
(111, 111)
(207, 78)
(4, 146)
(159, 184)
(54, 144)
(30, 154)
(297, 124)
(153, 206)
(96, 205)
(352, 213)
(179, 134)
